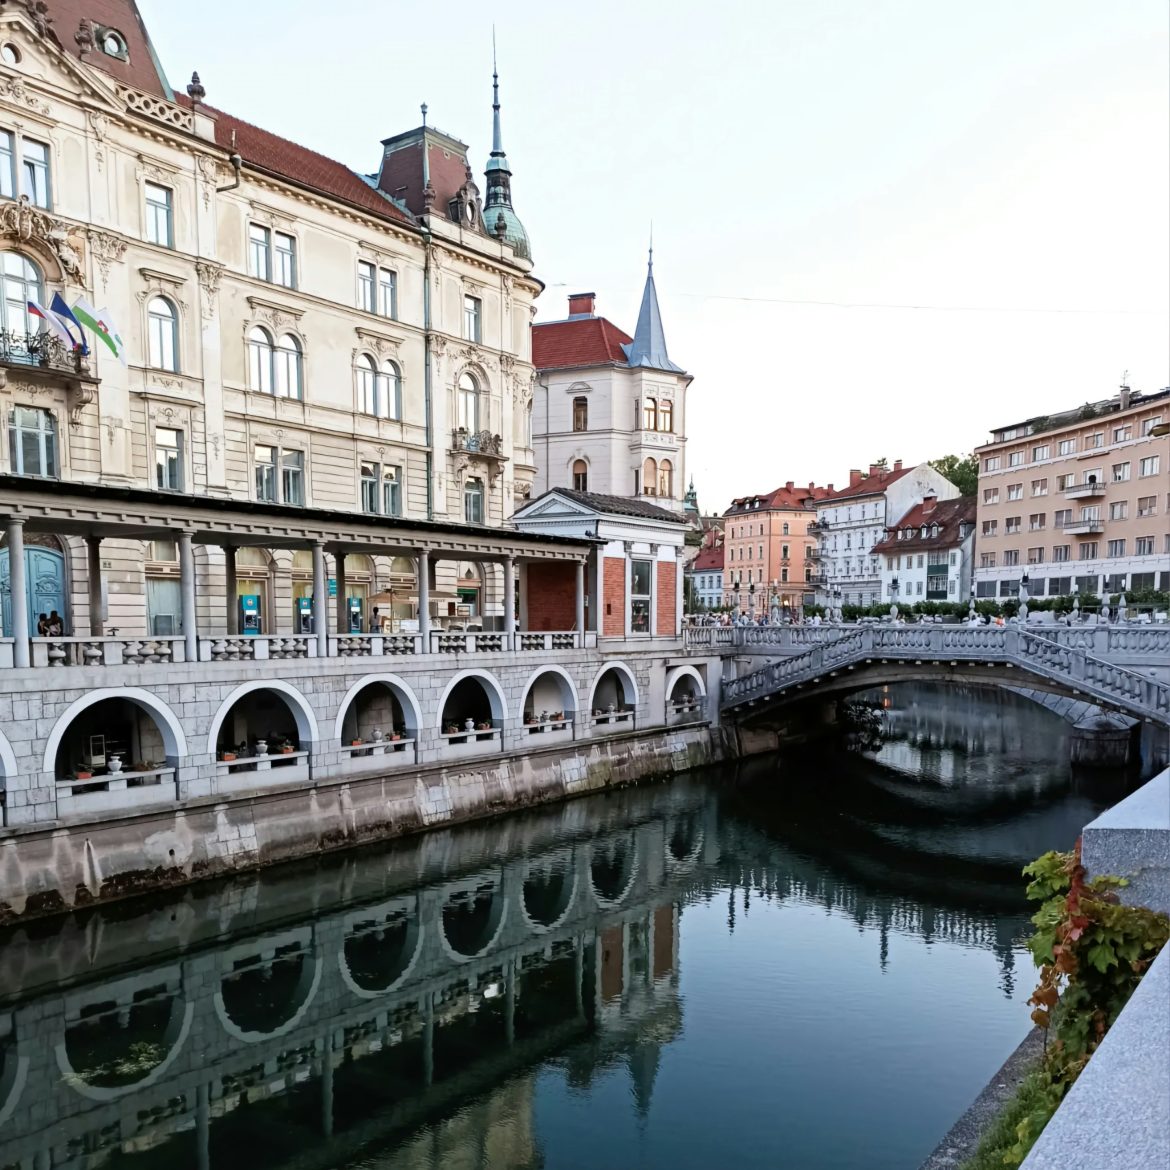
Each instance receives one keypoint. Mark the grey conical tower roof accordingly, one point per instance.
(649, 345)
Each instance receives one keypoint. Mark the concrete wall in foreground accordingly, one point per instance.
(54, 869)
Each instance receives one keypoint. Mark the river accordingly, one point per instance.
(812, 962)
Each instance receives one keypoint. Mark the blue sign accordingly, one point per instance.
(332, 586)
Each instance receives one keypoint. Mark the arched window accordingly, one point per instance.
(367, 380)
(22, 283)
(666, 479)
(162, 335)
(260, 354)
(649, 414)
(468, 413)
(785, 529)
(580, 475)
(580, 414)
(288, 381)
(649, 477)
(666, 415)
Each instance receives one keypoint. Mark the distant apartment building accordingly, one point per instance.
(929, 552)
(852, 520)
(706, 574)
(769, 552)
(1077, 501)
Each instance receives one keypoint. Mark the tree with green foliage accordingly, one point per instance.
(961, 470)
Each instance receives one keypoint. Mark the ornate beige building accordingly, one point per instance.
(294, 332)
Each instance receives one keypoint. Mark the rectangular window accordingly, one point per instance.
(1147, 505)
(1040, 487)
(1060, 552)
(1041, 452)
(285, 271)
(984, 588)
(1015, 459)
(640, 578)
(991, 495)
(264, 461)
(1143, 546)
(1114, 583)
(7, 164)
(34, 178)
(1138, 581)
(1064, 482)
(1122, 434)
(32, 442)
(1091, 514)
(292, 477)
(987, 560)
(168, 459)
(1036, 587)
(259, 252)
(159, 215)
(1066, 447)
(388, 293)
(473, 501)
(1120, 472)
(1011, 557)
(1149, 465)
(1118, 509)
(1148, 424)
(1015, 491)
(991, 463)
(1088, 584)
(1092, 442)
(370, 478)
(472, 319)
(392, 491)
(1062, 517)
(1009, 588)
(1087, 551)
(367, 286)
(1116, 548)
(990, 527)
(1036, 522)
(1036, 555)
(1011, 525)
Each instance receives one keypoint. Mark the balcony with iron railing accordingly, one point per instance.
(1084, 491)
(1082, 527)
(481, 443)
(44, 359)
(818, 526)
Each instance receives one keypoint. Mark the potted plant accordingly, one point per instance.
(287, 749)
(227, 757)
(483, 725)
(398, 732)
(356, 742)
(84, 774)
(451, 729)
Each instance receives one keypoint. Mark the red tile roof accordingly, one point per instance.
(788, 498)
(140, 69)
(709, 560)
(591, 341)
(278, 156)
(869, 485)
(947, 514)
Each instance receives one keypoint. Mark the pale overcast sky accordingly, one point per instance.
(812, 168)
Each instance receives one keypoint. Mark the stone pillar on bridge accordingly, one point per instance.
(93, 557)
(580, 599)
(320, 600)
(423, 574)
(509, 601)
(18, 586)
(231, 589)
(187, 588)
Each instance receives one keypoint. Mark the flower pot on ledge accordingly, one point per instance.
(84, 775)
(227, 757)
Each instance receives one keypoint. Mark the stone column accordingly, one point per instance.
(424, 600)
(509, 601)
(629, 607)
(19, 587)
(231, 601)
(93, 551)
(679, 595)
(654, 591)
(599, 591)
(320, 600)
(342, 610)
(187, 585)
(580, 618)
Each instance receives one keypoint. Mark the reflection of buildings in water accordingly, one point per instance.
(344, 1036)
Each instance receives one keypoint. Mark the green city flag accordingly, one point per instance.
(92, 319)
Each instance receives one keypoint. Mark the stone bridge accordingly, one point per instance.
(1122, 668)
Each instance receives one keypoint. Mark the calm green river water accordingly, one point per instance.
(810, 963)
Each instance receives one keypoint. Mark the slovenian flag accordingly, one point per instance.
(101, 323)
(55, 324)
(65, 315)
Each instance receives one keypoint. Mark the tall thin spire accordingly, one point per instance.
(499, 215)
(649, 345)
(497, 134)
(428, 191)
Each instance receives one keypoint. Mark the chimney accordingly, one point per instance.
(788, 485)
(928, 502)
(1124, 398)
(829, 489)
(582, 304)
(897, 464)
(855, 476)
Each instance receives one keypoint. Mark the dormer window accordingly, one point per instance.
(111, 42)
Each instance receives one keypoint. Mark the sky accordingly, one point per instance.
(881, 227)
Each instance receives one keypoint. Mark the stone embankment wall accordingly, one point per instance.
(43, 871)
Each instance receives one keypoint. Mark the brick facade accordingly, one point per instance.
(552, 596)
(667, 598)
(614, 577)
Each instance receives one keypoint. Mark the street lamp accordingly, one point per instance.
(1023, 614)
(752, 598)
(894, 598)
(971, 606)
